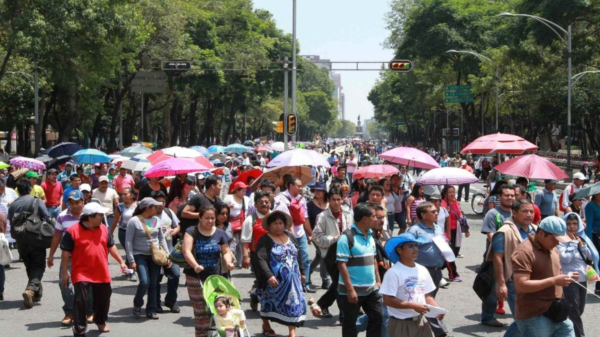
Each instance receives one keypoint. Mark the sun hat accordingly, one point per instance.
(435, 196)
(265, 220)
(393, 243)
(319, 187)
(555, 226)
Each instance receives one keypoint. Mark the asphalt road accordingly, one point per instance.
(44, 319)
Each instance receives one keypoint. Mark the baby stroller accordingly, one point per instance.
(217, 285)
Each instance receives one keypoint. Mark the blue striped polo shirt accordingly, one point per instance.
(359, 262)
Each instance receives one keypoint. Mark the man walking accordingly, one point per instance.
(547, 200)
(54, 193)
(75, 184)
(123, 180)
(465, 187)
(108, 197)
(539, 282)
(578, 180)
(34, 257)
(88, 244)
(359, 280)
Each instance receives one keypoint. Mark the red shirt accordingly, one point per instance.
(89, 253)
(338, 217)
(54, 193)
(120, 182)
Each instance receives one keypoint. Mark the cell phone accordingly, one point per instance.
(128, 271)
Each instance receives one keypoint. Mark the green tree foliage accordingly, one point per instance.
(88, 52)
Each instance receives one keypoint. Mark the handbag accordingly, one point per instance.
(176, 255)
(159, 256)
(462, 221)
(5, 254)
(484, 280)
(558, 311)
(236, 222)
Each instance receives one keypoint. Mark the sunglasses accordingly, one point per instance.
(224, 213)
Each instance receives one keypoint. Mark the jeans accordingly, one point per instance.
(349, 175)
(172, 275)
(371, 305)
(318, 261)
(2, 280)
(466, 188)
(391, 221)
(512, 330)
(363, 322)
(109, 220)
(148, 276)
(83, 292)
(541, 326)
(34, 260)
(401, 220)
(236, 248)
(54, 211)
(303, 246)
(575, 295)
(68, 295)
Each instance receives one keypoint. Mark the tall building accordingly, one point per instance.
(337, 94)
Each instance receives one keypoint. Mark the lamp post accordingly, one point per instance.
(294, 67)
(554, 27)
(577, 77)
(479, 56)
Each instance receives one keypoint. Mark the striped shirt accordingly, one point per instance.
(359, 262)
(65, 220)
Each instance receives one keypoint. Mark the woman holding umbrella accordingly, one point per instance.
(238, 204)
(453, 231)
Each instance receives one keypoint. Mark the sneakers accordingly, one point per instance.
(28, 298)
(174, 308)
(153, 316)
(325, 285)
(456, 279)
(460, 256)
(133, 278)
(137, 312)
(309, 289)
(443, 283)
(89, 318)
(67, 321)
(325, 313)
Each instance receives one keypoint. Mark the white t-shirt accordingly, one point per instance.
(442, 215)
(352, 168)
(168, 225)
(236, 209)
(406, 284)
(107, 199)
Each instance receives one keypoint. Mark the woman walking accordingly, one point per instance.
(279, 274)
(453, 231)
(316, 207)
(203, 247)
(238, 204)
(180, 194)
(123, 213)
(416, 197)
(144, 222)
(222, 222)
(399, 202)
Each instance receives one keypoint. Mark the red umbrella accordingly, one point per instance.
(531, 166)
(499, 143)
(263, 148)
(244, 177)
(411, 157)
(375, 171)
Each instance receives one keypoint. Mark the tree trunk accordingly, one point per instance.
(74, 114)
(175, 121)
(192, 121)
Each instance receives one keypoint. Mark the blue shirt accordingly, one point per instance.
(444, 163)
(429, 254)
(592, 216)
(547, 202)
(359, 262)
(498, 238)
(64, 176)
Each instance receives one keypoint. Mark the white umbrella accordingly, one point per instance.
(138, 163)
(447, 176)
(278, 146)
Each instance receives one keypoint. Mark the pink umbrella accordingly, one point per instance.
(447, 176)
(263, 148)
(411, 157)
(531, 166)
(375, 171)
(174, 166)
(25, 162)
(299, 157)
(499, 143)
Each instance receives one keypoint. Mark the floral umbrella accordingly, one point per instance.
(30, 163)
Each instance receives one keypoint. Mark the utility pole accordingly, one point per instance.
(38, 132)
(285, 103)
(294, 67)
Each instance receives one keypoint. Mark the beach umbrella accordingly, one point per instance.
(174, 166)
(90, 156)
(138, 163)
(532, 167)
(216, 149)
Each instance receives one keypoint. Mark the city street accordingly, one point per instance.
(44, 319)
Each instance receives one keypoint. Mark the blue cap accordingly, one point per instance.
(557, 227)
(75, 195)
(391, 244)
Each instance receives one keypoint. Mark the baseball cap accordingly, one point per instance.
(463, 162)
(85, 187)
(75, 195)
(390, 246)
(550, 181)
(103, 178)
(69, 164)
(555, 226)
(94, 208)
(239, 185)
(579, 176)
(32, 174)
(52, 170)
(147, 202)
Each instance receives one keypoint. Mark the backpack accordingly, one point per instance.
(560, 201)
(28, 227)
(296, 211)
(331, 255)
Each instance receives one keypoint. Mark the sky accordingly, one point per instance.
(339, 30)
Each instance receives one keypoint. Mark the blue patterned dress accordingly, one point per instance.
(284, 304)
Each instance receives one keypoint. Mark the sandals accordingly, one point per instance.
(315, 309)
(103, 328)
(269, 332)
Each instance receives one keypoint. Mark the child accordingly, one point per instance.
(227, 319)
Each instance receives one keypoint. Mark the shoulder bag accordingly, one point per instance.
(464, 224)
(5, 253)
(159, 256)
(176, 256)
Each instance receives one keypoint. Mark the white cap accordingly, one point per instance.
(579, 176)
(103, 178)
(94, 208)
(463, 162)
(85, 187)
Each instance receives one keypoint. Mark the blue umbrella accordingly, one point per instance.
(203, 151)
(63, 149)
(237, 148)
(90, 156)
(216, 149)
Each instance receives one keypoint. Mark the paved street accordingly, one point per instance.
(44, 319)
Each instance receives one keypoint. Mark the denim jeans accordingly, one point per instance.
(2, 280)
(122, 236)
(318, 262)
(303, 246)
(350, 181)
(148, 276)
(363, 322)
(68, 295)
(512, 330)
(391, 221)
(109, 220)
(172, 275)
(541, 326)
(488, 306)
(401, 220)
(54, 211)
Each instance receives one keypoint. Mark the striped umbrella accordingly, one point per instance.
(139, 163)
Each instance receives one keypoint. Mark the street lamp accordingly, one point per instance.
(479, 56)
(554, 27)
(577, 77)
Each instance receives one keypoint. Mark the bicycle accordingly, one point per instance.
(478, 201)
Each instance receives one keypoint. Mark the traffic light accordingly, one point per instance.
(292, 127)
(279, 124)
(401, 66)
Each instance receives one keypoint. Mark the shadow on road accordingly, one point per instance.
(476, 329)
(46, 325)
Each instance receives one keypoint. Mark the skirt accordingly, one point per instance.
(201, 314)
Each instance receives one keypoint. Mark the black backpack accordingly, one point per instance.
(331, 256)
(28, 227)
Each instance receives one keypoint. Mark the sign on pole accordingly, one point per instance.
(459, 94)
(176, 65)
(149, 82)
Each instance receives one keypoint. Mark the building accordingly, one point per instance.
(366, 133)
(337, 94)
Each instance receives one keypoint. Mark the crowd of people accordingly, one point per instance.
(381, 245)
